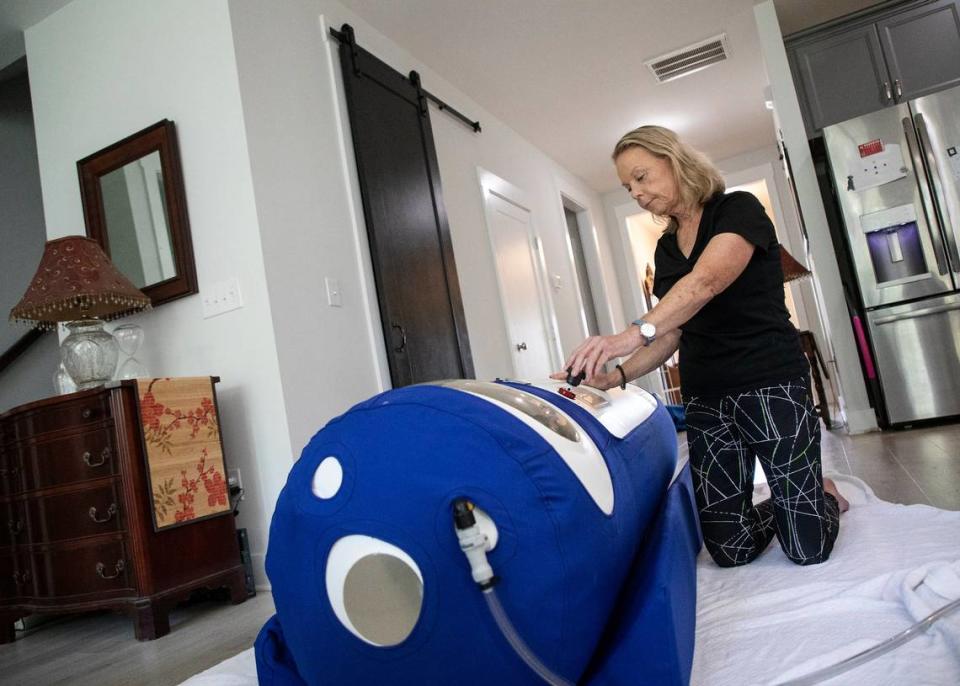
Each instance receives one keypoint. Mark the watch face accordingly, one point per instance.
(648, 330)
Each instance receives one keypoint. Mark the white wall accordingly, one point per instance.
(304, 177)
(21, 236)
(103, 69)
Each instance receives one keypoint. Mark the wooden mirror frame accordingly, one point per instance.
(162, 138)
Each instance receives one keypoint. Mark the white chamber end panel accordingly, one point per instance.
(375, 589)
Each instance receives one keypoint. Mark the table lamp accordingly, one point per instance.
(76, 283)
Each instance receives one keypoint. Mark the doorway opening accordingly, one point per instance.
(522, 279)
(574, 216)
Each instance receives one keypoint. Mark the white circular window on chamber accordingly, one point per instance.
(328, 478)
(375, 589)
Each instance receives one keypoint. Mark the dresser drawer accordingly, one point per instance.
(11, 472)
(13, 523)
(16, 577)
(83, 570)
(71, 414)
(82, 456)
(87, 512)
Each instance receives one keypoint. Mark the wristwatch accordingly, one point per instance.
(648, 332)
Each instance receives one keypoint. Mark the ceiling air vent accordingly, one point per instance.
(687, 60)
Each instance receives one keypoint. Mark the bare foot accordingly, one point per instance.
(831, 488)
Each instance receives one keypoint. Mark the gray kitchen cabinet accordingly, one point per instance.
(841, 76)
(850, 68)
(922, 48)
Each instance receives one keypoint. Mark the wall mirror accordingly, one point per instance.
(134, 206)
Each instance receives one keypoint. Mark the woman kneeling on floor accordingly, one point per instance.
(744, 378)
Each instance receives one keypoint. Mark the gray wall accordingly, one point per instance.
(22, 235)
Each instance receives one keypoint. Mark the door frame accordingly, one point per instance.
(503, 189)
(651, 381)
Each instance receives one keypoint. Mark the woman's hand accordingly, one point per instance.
(602, 381)
(593, 353)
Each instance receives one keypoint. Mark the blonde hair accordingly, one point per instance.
(696, 177)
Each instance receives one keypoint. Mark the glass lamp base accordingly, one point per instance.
(89, 353)
(62, 383)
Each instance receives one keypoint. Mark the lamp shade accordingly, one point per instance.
(76, 280)
(791, 268)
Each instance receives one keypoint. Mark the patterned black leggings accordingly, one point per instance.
(777, 425)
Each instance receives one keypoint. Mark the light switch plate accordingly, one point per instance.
(222, 296)
(333, 292)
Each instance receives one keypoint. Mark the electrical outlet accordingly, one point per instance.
(234, 480)
(222, 296)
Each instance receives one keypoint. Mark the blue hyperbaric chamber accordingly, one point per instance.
(581, 510)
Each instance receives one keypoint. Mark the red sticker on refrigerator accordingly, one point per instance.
(871, 148)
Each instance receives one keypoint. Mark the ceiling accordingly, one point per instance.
(568, 75)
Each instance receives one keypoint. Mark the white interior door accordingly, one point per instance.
(522, 297)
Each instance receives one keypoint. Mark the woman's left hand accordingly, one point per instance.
(593, 353)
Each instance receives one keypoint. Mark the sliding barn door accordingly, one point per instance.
(413, 265)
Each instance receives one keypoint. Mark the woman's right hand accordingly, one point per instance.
(596, 351)
(602, 381)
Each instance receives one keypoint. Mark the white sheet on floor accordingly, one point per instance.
(892, 565)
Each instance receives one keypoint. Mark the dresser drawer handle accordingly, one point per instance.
(111, 511)
(118, 569)
(12, 472)
(15, 526)
(104, 456)
(86, 413)
(21, 577)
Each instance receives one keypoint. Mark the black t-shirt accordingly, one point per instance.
(743, 338)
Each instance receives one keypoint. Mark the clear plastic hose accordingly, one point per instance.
(521, 649)
(874, 652)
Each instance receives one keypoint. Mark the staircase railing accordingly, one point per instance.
(19, 347)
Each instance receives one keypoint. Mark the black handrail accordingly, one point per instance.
(20, 347)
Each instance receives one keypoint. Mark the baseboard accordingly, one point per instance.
(861, 421)
(260, 579)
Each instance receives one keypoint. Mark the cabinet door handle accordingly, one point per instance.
(104, 455)
(21, 577)
(897, 88)
(15, 526)
(111, 511)
(888, 96)
(117, 570)
(521, 346)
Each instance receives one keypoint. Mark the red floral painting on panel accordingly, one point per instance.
(184, 455)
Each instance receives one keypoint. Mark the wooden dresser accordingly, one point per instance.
(77, 522)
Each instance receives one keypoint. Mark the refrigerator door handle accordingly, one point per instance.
(923, 312)
(933, 221)
(927, 148)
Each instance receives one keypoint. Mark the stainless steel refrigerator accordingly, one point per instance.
(897, 177)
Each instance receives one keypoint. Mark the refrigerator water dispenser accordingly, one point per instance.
(893, 239)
